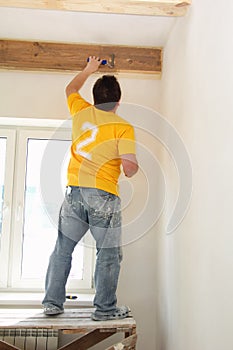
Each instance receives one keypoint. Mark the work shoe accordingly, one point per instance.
(120, 313)
(52, 310)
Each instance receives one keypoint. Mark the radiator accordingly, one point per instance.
(30, 339)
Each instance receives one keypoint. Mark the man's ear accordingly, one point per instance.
(116, 106)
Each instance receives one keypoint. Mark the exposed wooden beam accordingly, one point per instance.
(29, 55)
(135, 7)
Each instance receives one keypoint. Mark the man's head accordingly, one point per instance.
(106, 93)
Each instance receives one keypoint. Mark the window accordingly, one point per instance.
(33, 166)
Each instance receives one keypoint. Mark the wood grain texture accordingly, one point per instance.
(36, 56)
(72, 319)
(86, 341)
(6, 346)
(137, 7)
(126, 344)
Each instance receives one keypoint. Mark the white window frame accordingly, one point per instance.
(10, 136)
(13, 230)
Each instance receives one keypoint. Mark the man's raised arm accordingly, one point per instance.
(78, 81)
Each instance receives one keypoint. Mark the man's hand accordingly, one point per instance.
(78, 81)
(129, 164)
(93, 64)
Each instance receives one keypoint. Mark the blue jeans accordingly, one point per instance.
(83, 209)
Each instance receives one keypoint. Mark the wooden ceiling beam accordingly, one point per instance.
(47, 56)
(134, 7)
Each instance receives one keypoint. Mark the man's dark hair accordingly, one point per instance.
(106, 92)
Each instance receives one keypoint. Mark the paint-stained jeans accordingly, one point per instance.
(83, 209)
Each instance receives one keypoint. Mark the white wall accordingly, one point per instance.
(197, 98)
(41, 95)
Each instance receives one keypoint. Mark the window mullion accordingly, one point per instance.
(18, 209)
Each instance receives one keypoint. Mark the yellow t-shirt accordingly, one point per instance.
(99, 138)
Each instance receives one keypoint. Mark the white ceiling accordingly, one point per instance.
(65, 26)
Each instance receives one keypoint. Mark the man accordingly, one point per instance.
(101, 143)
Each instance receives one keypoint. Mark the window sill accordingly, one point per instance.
(18, 299)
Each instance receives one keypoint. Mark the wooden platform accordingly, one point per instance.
(73, 321)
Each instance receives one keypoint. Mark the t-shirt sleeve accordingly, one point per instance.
(76, 103)
(126, 141)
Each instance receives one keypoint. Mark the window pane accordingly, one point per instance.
(39, 234)
(2, 176)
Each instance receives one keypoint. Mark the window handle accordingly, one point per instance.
(5, 209)
(18, 212)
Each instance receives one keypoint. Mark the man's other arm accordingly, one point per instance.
(129, 164)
